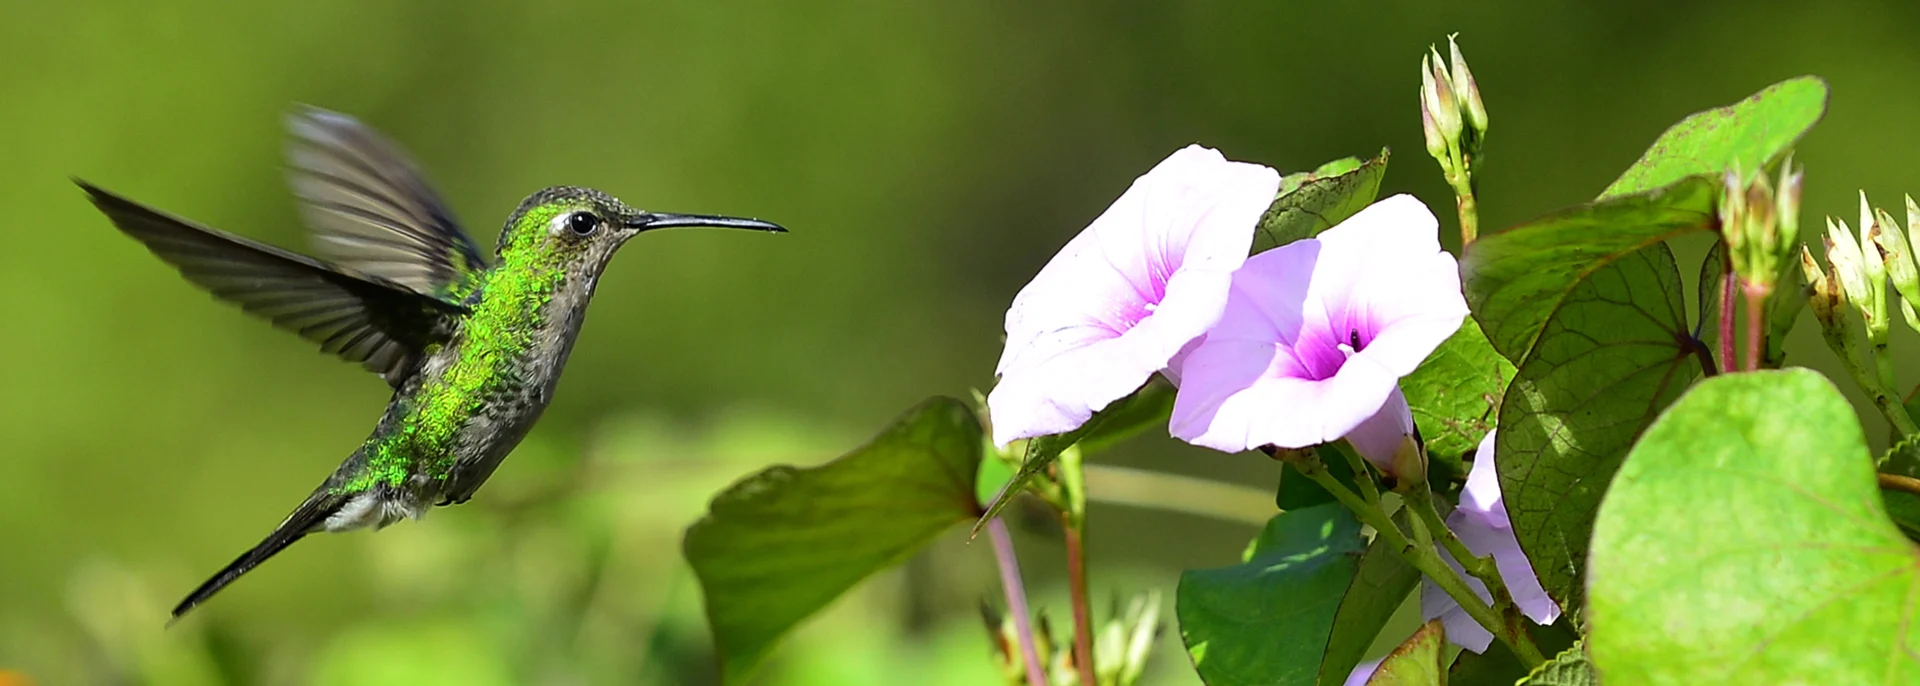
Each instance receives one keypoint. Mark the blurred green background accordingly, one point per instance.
(929, 157)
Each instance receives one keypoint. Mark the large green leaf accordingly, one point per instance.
(1267, 621)
(1379, 586)
(1616, 353)
(1454, 392)
(1750, 133)
(1311, 202)
(1744, 543)
(783, 543)
(1150, 406)
(1516, 278)
(1415, 662)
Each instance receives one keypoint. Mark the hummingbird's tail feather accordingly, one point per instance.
(305, 520)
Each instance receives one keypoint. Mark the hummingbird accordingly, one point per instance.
(472, 349)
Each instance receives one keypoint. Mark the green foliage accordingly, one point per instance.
(1517, 278)
(782, 544)
(1416, 662)
(1296, 491)
(1268, 621)
(1571, 667)
(1454, 392)
(1382, 582)
(1713, 272)
(1500, 666)
(1750, 133)
(1311, 202)
(1616, 352)
(1791, 574)
(1150, 406)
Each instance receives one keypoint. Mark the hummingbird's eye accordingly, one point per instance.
(583, 223)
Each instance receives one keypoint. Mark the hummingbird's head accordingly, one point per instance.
(584, 226)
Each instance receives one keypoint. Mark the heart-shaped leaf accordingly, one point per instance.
(1616, 353)
(1750, 133)
(1267, 621)
(1515, 279)
(1744, 542)
(781, 544)
(1311, 202)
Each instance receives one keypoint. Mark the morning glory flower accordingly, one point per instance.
(1316, 335)
(1481, 523)
(1148, 277)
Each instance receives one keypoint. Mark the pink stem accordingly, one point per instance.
(1016, 600)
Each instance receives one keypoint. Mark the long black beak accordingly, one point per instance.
(653, 220)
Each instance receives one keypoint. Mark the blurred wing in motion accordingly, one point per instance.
(371, 210)
(361, 318)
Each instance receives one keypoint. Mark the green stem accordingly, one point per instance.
(1469, 208)
(1839, 339)
(1362, 474)
(1420, 500)
(1424, 557)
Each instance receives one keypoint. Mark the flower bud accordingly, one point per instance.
(1409, 466)
(1441, 99)
(1786, 198)
(1436, 142)
(1733, 211)
(1849, 265)
(1913, 223)
(1468, 91)
(1826, 297)
(1897, 254)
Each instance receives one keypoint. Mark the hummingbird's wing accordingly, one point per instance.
(360, 317)
(372, 211)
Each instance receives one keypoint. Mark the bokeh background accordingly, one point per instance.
(929, 157)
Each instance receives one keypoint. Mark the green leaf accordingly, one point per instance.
(1454, 392)
(1296, 491)
(1416, 662)
(1750, 133)
(1381, 584)
(1268, 621)
(1500, 666)
(1616, 352)
(1570, 668)
(1311, 202)
(1744, 543)
(1903, 459)
(1150, 406)
(1516, 278)
(1713, 270)
(781, 544)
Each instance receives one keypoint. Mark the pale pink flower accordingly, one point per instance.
(1145, 279)
(1317, 334)
(1481, 523)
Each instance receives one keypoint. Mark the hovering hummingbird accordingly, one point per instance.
(472, 350)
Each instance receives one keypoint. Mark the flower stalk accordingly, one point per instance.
(1422, 554)
(1454, 122)
(1073, 519)
(1016, 601)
